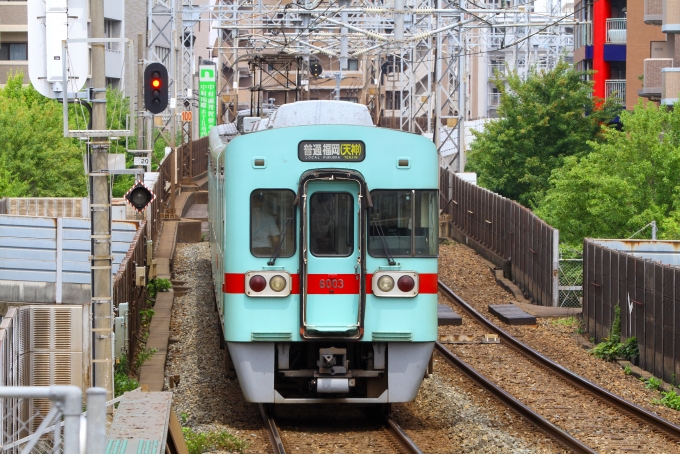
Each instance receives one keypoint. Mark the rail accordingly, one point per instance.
(272, 431)
(641, 414)
(558, 434)
(398, 433)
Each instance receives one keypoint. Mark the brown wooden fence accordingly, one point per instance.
(124, 288)
(647, 294)
(509, 231)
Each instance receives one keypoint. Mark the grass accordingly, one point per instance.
(565, 321)
(157, 285)
(214, 440)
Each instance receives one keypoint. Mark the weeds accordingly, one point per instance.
(611, 348)
(146, 315)
(651, 383)
(215, 440)
(668, 399)
(143, 356)
(157, 285)
(122, 382)
(627, 370)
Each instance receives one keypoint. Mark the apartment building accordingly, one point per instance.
(661, 64)
(123, 18)
(606, 44)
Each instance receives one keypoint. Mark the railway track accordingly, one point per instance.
(394, 438)
(651, 432)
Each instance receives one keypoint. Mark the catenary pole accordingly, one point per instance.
(100, 216)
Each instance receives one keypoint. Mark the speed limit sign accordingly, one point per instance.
(186, 116)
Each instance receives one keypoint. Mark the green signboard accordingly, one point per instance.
(207, 99)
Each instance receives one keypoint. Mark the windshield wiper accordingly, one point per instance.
(383, 241)
(272, 260)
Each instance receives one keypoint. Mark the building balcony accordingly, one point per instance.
(653, 14)
(616, 31)
(494, 100)
(14, 17)
(651, 82)
(670, 20)
(583, 35)
(615, 88)
(670, 86)
(499, 68)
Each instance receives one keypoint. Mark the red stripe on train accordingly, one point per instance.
(326, 284)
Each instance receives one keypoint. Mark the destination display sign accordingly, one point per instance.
(331, 151)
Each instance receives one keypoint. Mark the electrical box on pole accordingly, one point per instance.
(156, 88)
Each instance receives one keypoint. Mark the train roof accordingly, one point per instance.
(307, 113)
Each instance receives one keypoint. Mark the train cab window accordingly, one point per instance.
(405, 222)
(272, 219)
(331, 224)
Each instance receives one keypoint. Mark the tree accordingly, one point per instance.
(542, 120)
(630, 178)
(36, 160)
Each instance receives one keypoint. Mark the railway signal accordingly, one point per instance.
(155, 88)
(139, 196)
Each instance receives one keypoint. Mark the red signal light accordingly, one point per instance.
(156, 83)
(257, 283)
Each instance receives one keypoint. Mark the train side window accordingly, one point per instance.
(272, 220)
(408, 222)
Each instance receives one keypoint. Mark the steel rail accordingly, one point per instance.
(272, 431)
(633, 410)
(401, 437)
(539, 421)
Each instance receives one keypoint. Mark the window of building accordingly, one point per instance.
(353, 64)
(13, 51)
(353, 99)
(272, 219)
(405, 222)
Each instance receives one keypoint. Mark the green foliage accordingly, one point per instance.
(627, 370)
(611, 348)
(542, 121)
(669, 399)
(122, 381)
(146, 316)
(215, 440)
(630, 178)
(565, 321)
(157, 285)
(651, 383)
(35, 158)
(143, 355)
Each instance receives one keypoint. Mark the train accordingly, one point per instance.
(324, 242)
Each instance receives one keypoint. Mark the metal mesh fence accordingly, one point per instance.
(571, 282)
(31, 425)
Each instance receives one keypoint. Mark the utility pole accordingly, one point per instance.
(100, 216)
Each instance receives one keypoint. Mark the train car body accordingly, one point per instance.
(324, 243)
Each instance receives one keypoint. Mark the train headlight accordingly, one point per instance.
(277, 283)
(257, 283)
(385, 283)
(406, 283)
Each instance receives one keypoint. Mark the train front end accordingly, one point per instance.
(328, 258)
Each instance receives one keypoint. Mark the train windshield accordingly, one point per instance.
(408, 222)
(331, 224)
(272, 219)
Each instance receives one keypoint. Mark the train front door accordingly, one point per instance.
(331, 268)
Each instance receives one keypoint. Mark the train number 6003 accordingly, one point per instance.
(331, 283)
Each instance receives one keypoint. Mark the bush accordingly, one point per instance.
(157, 285)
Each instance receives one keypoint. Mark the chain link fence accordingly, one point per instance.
(571, 283)
(49, 420)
